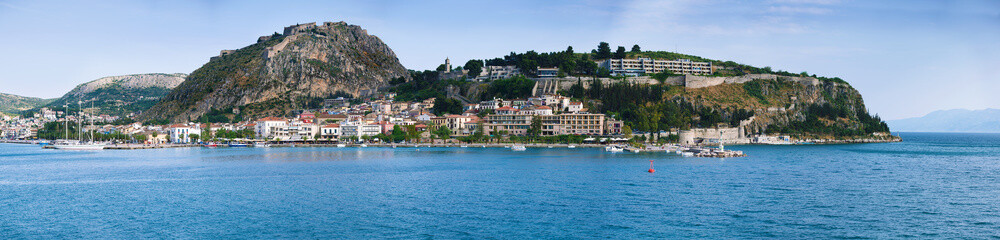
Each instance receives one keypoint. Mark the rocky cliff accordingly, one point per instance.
(284, 72)
(122, 95)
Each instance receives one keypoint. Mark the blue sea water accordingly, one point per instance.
(929, 186)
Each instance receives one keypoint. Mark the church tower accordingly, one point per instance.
(447, 65)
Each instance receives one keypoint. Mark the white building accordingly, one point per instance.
(266, 126)
(640, 66)
(181, 133)
(330, 131)
(498, 72)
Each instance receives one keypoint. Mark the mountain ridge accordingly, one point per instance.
(14, 104)
(951, 120)
(121, 95)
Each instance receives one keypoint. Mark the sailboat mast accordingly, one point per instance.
(92, 123)
(66, 120)
(79, 121)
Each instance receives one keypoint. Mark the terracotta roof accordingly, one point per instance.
(543, 107)
(505, 108)
(331, 125)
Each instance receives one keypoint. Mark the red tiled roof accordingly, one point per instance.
(505, 108)
(331, 125)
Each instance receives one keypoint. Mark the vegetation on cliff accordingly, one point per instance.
(14, 104)
(118, 95)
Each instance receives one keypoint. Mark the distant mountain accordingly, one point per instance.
(283, 72)
(955, 120)
(13, 104)
(121, 95)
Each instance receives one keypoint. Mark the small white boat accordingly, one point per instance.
(261, 145)
(571, 146)
(614, 149)
(687, 154)
(465, 146)
(518, 148)
(364, 145)
(341, 145)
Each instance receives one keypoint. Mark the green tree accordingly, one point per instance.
(620, 53)
(475, 67)
(627, 131)
(194, 137)
(443, 132)
(603, 51)
(536, 127)
(447, 106)
(636, 49)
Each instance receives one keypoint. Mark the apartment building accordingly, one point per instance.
(640, 66)
(560, 124)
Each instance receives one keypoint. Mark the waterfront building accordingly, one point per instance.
(181, 133)
(559, 124)
(265, 126)
(330, 131)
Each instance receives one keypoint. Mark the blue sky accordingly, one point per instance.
(906, 57)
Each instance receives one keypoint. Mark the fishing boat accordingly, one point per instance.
(518, 147)
(210, 145)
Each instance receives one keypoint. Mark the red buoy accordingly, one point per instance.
(651, 170)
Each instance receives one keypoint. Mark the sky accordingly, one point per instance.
(907, 58)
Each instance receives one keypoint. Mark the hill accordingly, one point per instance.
(283, 72)
(14, 104)
(778, 102)
(954, 120)
(121, 95)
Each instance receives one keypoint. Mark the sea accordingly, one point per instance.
(931, 185)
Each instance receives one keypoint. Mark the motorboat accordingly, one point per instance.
(518, 148)
(614, 149)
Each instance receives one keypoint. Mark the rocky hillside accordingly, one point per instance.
(788, 105)
(13, 104)
(122, 95)
(283, 72)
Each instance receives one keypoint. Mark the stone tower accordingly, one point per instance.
(447, 65)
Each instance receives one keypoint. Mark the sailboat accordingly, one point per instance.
(80, 145)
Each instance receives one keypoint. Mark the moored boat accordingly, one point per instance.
(518, 147)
